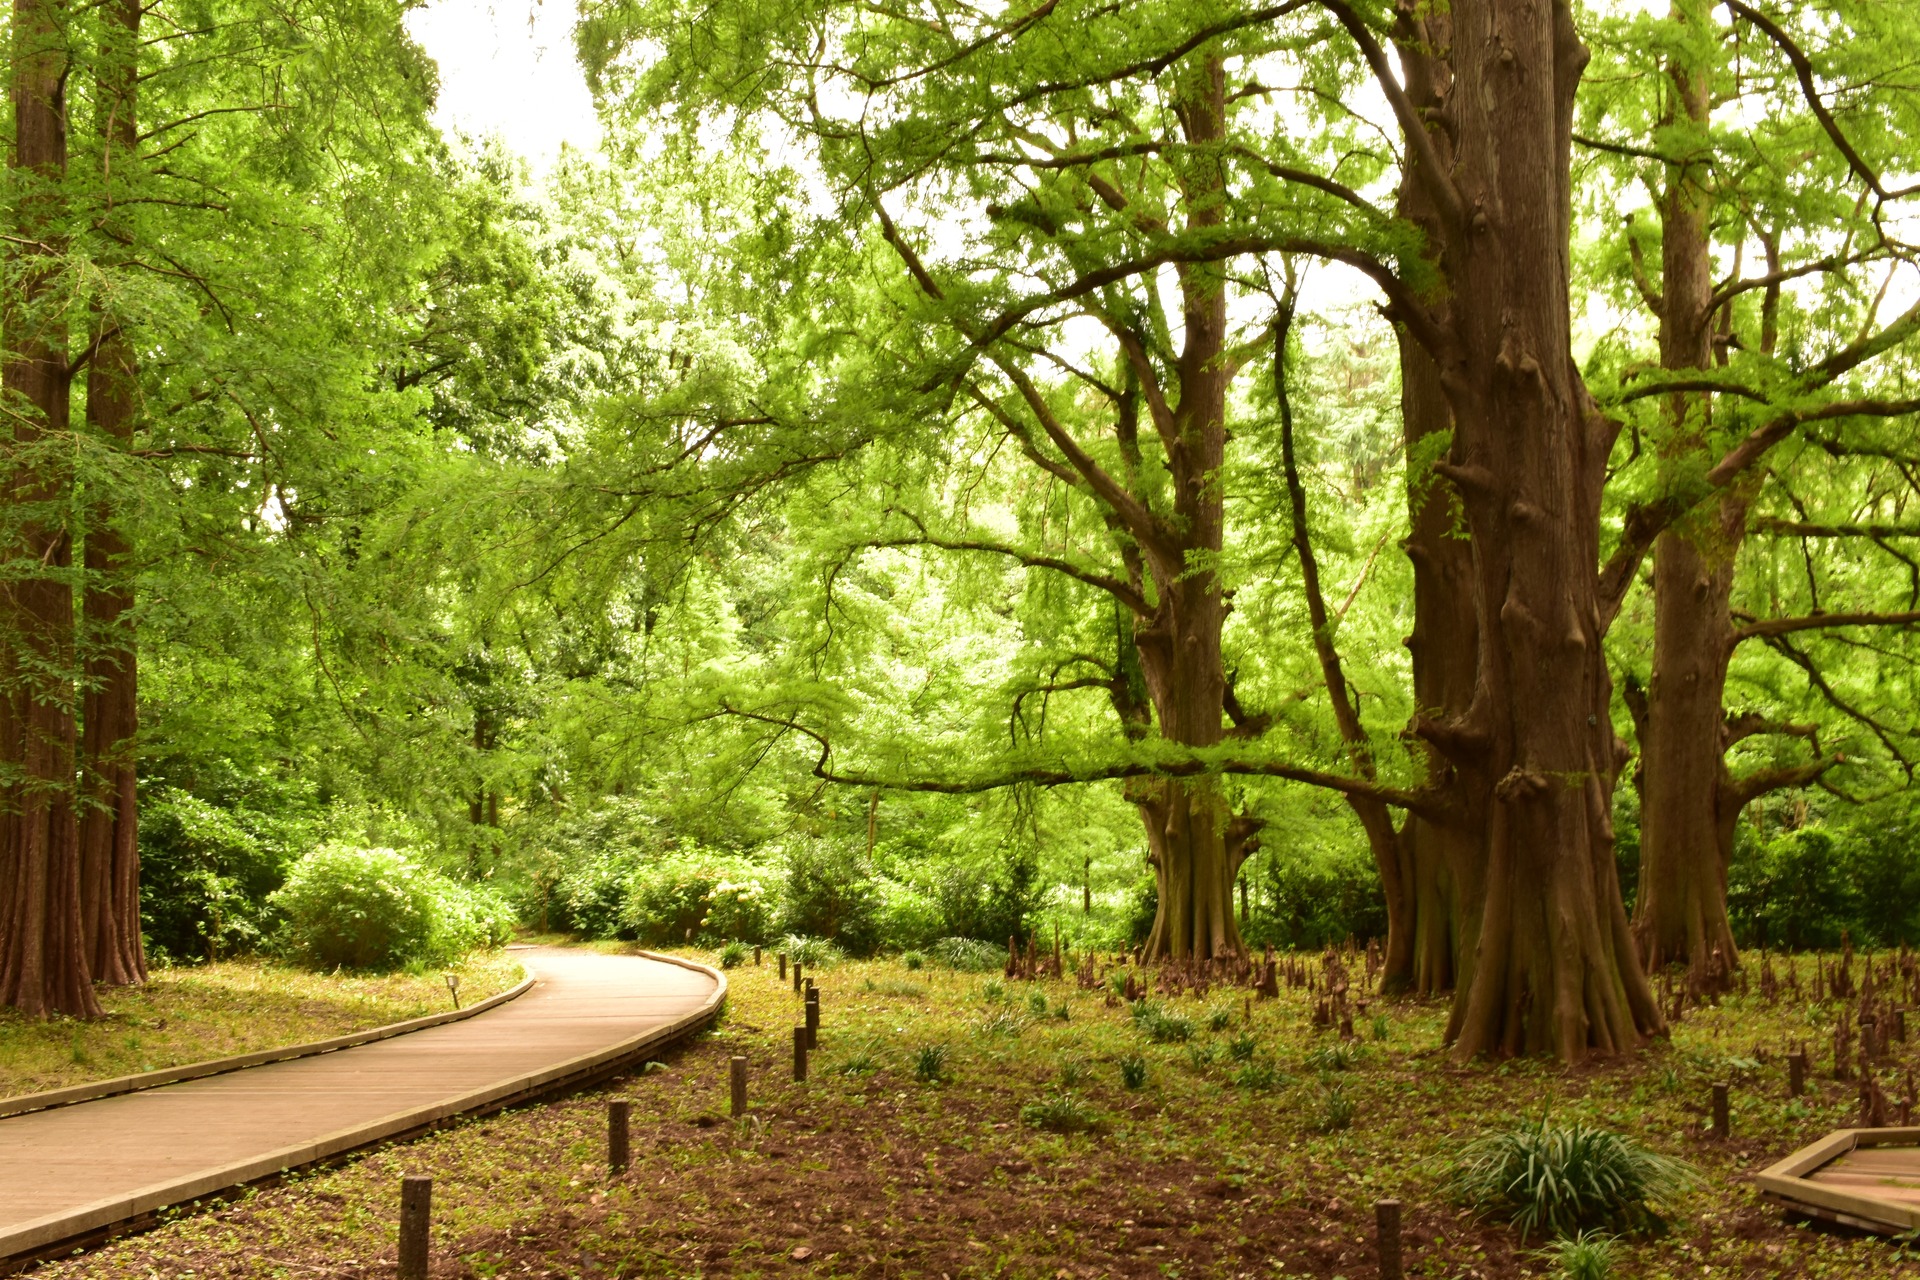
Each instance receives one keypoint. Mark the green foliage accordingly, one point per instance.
(1260, 1077)
(968, 955)
(1133, 1071)
(208, 869)
(1061, 1113)
(1558, 1179)
(1335, 1109)
(1242, 1047)
(356, 908)
(812, 952)
(930, 1064)
(1338, 1055)
(733, 955)
(1074, 1072)
(914, 961)
(1585, 1255)
(832, 893)
(1316, 898)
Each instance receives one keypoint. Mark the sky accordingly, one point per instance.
(507, 68)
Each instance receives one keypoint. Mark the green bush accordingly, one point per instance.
(1559, 1179)
(355, 908)
(831, 893)
(1061, 1113)
(969, 955)
(209, 863)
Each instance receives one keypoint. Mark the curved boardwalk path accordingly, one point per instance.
(76, 1170)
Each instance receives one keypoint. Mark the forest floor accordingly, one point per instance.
(1214, 1167)
(191, 1013)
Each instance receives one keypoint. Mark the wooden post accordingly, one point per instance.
(1722, 1128)
(1796, 1073)
(737, 1073)
(756, 957)
(813, 1018)
(799, 1053)
(1386, 1218)
(1900, 1025)
(796, 977)
(618, 1130)
(416, 1211)
(783, 966)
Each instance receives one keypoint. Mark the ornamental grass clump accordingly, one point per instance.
(1561, 1179)
(1061, 1113)
(1589, 1255)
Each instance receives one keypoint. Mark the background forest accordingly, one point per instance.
(644, 546)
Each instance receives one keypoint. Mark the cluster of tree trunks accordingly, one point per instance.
(69, 869)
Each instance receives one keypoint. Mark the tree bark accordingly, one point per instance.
(1553, 968)
(109, 821)
(43, 963)
(1179, 640)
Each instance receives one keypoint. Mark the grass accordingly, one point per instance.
(192, 1013)
(1563, 1178)
(1192, 1176)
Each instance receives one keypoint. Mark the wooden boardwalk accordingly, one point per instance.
(72, 1171)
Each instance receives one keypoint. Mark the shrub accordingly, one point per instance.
(590, 897)
(969, 955)
(1061, 1113)
(377, 909)
(1563, 1178)
(908, 917)
(208, 866)
(811, 952)
(831, 893)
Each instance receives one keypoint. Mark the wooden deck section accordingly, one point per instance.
(1863, 1178)
(74, 1170)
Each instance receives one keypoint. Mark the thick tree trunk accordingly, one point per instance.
(1553, 968)
(109, 821)
(43, 964)
(1179, 643)
(1680, 912)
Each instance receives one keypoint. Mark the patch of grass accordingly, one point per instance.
(1559, 1179)
(1382, 1028)
(1133, 1071)
(1037, 1003)
(993, 990)
(914, 960)
(899, 990)
(1005, 1023)
(862, 1061)
(190, 1013)
(1202, 1056)
(1261, 1076)
(1219, 1019)
(1338, 1056)
(968, 955)
(1587, 1255)
(1073, 1073)
(733, 955)
(1241, 1048)
(814, 953)
(1335, 1111)
(1160, 1026)
(1062, 1013)
(930, 1064)
(1061, 1113)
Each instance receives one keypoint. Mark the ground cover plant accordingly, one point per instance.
(192, 1013)
(984, 1167)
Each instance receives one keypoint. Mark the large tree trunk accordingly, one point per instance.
(43, 964)
(1554, 967)
(109, 822)
(1179, 643)
(1680, 912)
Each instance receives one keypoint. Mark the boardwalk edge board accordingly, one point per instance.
(35, 1237)
(26, 1102)
(1787, 1182)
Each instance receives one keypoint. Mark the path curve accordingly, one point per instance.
(76, 1170)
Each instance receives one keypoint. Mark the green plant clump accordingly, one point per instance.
(733, 955)
(930, 1064)
(1589, 1255)
(1336, 1110)
(1061, 1113)
(914, 960)
(809, 951)
(969, 955)
(352, 908)
(1133, 1071)
(1560, 1179)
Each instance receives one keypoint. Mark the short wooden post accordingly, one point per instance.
(756, 957)
(416, 1211)
(796, 977)
(618, 1131)
(813, 1018)
(1722, 1128)
(799, 1053)
(783, 966)
(1796, 1073)
(737, 1073)
(1386, 1218)
(1900, 1025)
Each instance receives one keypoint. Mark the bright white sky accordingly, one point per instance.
(507, 68)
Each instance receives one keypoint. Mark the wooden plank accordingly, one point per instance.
(76, 1169)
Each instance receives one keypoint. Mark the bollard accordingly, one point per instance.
(1386, 1218)
(1722, 1128)
(796, 977)
(756, 957)
(416, 1210)
(799, 1053)
(783, 966)
(618, 1156)
(1900, 1025)
(1796, 1073)
(813, 1018)
(737, 1073)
